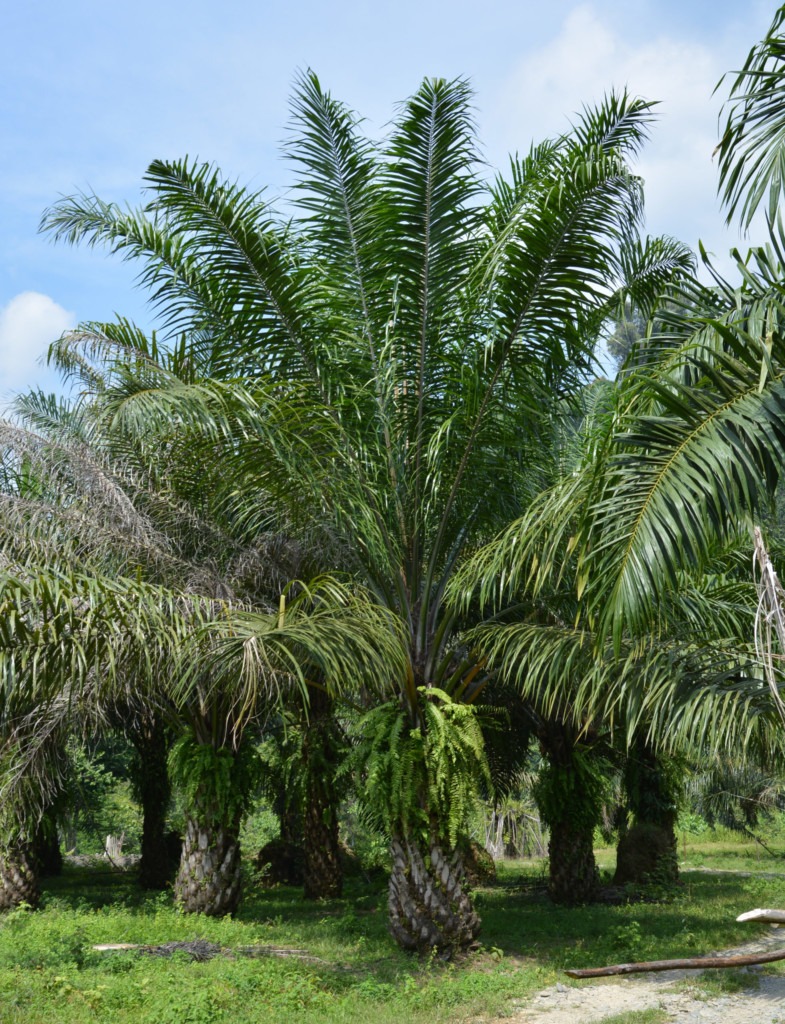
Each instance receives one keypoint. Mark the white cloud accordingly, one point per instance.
(585, 60)
(28, 324)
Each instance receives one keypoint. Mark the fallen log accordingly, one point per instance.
(196, 949)
(695, 964)
(199, 949)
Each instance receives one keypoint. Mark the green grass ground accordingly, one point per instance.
(49, 973)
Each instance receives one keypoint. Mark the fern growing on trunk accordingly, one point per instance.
(420, 784)
(570, 792)
(217, 785)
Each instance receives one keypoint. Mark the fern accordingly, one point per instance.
(577, 791)
(219, 781)
(422, 779)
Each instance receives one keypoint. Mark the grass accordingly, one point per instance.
(49, 972)
(725, 855)
(652, 1016)
(709, 984)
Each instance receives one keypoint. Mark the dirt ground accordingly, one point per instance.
(678, 993)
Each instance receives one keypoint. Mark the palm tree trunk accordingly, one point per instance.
(217, 783)
(322, 870)
(567, 799)
(428, 906)
(648, 851)
(18, 875)
(154, 791)
(291, 819)
(208, 880)
(572, 871)
(46, 847)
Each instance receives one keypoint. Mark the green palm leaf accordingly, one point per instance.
(752, 146)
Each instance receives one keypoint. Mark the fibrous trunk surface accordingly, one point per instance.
(429, 908)
(18, 876)
(573, 876)
(322, 870)
(322, 873)
(208, 879)
(571, 811)
(647, 852)
(155, 868)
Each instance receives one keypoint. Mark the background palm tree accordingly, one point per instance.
(74, 496)
(751, 149)
(80, 493)
(619, 571)
(215, 664)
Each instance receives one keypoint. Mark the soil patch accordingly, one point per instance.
(677, 993)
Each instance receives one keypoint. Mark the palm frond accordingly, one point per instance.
(684, 476)
(752, 145)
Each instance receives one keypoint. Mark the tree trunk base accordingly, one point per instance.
(429, 909)
(647, 855)
(157, 866)
(574, 878)
(322, 871)
(208, 879)
(18, 876)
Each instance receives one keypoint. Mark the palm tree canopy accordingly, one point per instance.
(691, 442)
(382, 360)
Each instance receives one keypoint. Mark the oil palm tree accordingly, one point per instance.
(72, 643)
(701, 442)
(647, 701)
(616, 563)
(380, 365)
(75, 496)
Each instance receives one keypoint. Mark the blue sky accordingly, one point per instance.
(93, 91)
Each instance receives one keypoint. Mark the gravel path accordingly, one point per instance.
(593, 1002)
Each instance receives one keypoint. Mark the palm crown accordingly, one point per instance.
(389, 352)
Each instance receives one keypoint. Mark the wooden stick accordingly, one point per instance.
(698, 964)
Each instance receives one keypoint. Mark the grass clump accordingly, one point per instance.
(726, 982)
(650, 1016)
